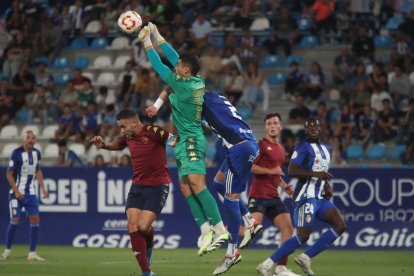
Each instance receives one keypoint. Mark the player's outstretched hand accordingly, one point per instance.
(151, 111)
(153, 28)
(322, 175)
(144, 34)
(97, 141)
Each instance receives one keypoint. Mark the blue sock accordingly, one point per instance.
(11, 229)
(324, 241)
(149, 255)
(34, 234)
(287, 248)
(234, 221)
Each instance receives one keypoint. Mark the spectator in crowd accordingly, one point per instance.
(344, 125)
(99, 161)
(184, 42)
(109, 127)
(359, 74)
(86, 95)
(325, 20)
(23, 84)
(233, 84)
(314, 82)
(7, 109)
(248, 48)
(286, 27)
(407, 157)
(230, 58)
(363, 46)
(343, 67)
(402, 45)
(44, 78)
(14, 55)
(365, 125)
(39, 105)
(125, 84)
(275, 41)
(407, 26)
(67, 96)
(360, 98)
(384, 129)
(78, 80)
(201, 29)
(406, 128)
(294, 80)
(299, 113)
(154, 11)
(212, 70)
(144, 84)
(253, 81)
(378, 77)
(377, 98)
(68, 125)
(400, 86)
(125, 161)
(91, 122)
(14, 23)
(51, 38)
(68, 158)
(78, 15)
(338, 155)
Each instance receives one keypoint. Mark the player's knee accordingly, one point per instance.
(34, 219)
(287, 231)
(132, 226)
(144, 228)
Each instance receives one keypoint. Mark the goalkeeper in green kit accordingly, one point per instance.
(186, 99)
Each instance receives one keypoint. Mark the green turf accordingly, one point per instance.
(174, 262)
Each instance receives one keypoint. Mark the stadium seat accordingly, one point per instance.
(62, 79)
(78, 148)
(42, 59)
(406, 6)
(88, 75)
(51, 151)
(106, 79)
(245, 112)
(78, 43)
(102, 62)
(218, 41)
(211, 151)
(308, 42)
(276, 78)
(304, 24)
(397, 151)
(81, 62)
(33, 128)
(60, 63)
(49, 132)
(381, 41)
(260, 24)
(271, 61)
(393, 23)
(376, 152)
(293, 58)
(385, 59)
(99, 43)
(120, 61)
(93, 152)
(8, 149)
(354, 152)
(93, 27)
(9, 132)
(119, 43)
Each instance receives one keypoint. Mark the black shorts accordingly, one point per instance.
(150, 198)
(271, 208)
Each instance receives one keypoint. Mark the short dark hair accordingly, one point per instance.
(62, 143)
(192, 61)
(311, 119)
(271, 115)
(126, 114)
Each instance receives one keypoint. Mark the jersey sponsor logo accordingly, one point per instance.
(320, 165)
(112, 195)
(65, 195)
(242, 130)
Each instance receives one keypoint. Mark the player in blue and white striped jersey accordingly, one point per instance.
(23, 174)
(309, 163)
(230, 181)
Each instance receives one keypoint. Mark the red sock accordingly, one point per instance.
(149, 238)
(283, 261)
(139, 247)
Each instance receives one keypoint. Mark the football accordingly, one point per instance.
(130, 22)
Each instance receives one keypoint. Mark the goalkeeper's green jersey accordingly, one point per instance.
(186, 99)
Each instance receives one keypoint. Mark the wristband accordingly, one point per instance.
(158, 103)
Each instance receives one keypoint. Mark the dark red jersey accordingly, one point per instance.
(271, 155)
(148, 158)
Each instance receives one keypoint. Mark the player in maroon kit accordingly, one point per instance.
(150, 179)
(264, 199)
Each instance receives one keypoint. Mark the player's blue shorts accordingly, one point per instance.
(305, 212)
(29, 202)
(237, 165)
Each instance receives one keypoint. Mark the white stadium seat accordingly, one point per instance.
(88, 75)
(49, 131)
(119, 43)
(9, 132)
(93, 152)
(106, 79)
(120, 61)
(34, 128)
(8, 149)
(102, 62)
(78, 148)
(93, 27)
(51, 151)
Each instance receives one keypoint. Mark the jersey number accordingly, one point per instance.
(308, 208)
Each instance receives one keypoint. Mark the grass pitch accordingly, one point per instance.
(185, 262)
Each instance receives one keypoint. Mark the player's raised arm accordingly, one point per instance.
(154, 58)
(153, 110)
(113, 145)
(169, 52)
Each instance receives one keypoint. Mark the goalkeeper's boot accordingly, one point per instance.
(219, 240)
(263, 270)
(282, 270)
(204, 243)
(227, 263)
(5, 255)
(305, 263)
(250, 233)
(34, 257)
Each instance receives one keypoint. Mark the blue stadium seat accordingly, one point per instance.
(376, 152)
(211, 151)
(276, 78)
(99, 43)
(62, 79)
(81, 62)
(406, 6)
(381, 41)
(79, 43)
(393, 23)
(60, 63)
(218, 41)
(245, 112)
(308, 42)
(42, 59)
(354, 152)
(270, 61)
(397, 151)
(292, 58)
(385, 59)
(304, 24)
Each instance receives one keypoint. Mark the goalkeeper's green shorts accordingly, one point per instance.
(190, 153)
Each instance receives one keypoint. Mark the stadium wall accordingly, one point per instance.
(85, 208)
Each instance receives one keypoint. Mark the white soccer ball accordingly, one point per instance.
(130, 22)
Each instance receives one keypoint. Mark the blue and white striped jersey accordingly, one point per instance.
(224, 120)
(23, 164)
(314, 157)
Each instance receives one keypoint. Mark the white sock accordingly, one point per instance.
(268, 263)
(231, 249)
(248, 220)
(7, 250)
(219, 228)
(205, 228)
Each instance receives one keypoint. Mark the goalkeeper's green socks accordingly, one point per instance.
(211, 210)
(196, 210)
